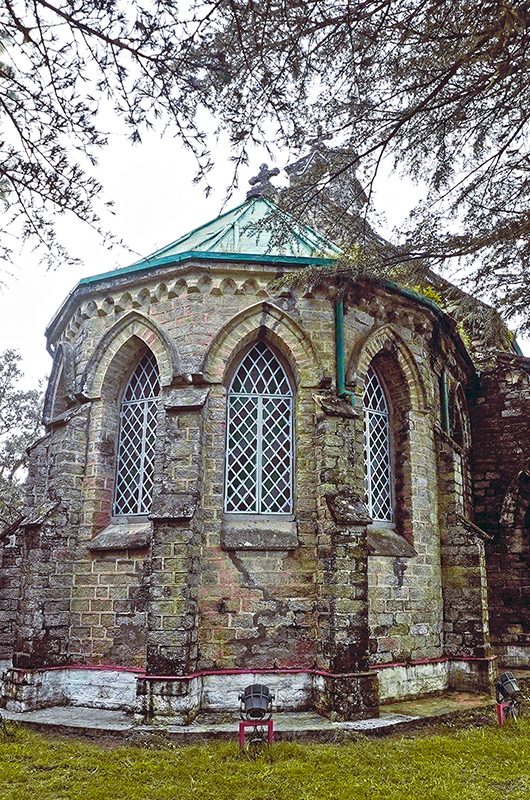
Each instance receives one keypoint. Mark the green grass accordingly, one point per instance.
(473, 764)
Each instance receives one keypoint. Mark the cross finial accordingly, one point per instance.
(261, 184)
(317, 141)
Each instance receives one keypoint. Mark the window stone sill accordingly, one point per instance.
(386, 542)
(123, 534)
(258, 533)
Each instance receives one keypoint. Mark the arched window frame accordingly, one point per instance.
(459, 418)
(378, 450)
(134, 472)
(260, 407)
(60, 394)
(460, 433)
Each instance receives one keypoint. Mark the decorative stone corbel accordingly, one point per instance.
(123, 534)
(471, 528)
(37, 516)
(348, 508)
(334, 406)
(186, 399)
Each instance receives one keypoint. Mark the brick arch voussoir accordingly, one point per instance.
(387, 338)
(264, 320)
(132, 326)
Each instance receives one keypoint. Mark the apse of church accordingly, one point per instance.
(205, 505)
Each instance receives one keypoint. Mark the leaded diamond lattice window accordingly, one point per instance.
(136, 445)
(378, 480)
(259, 441)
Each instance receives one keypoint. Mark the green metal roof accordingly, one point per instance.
(255, 231)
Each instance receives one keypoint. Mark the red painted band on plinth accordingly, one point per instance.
(141, 672)
(257, 671)
(93, 667)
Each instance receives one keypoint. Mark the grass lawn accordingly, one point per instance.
(470, 764)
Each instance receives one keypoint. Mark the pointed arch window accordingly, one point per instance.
(137, 439)
(377, 449)
(458, 418)
(259, 440)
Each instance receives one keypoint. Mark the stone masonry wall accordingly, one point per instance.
(108, 606)
(257, 603)
(465, 628)
(48, 536)
(108, 619)
(501, 464)
(193, 594)
(406, 592)
(173, 610)
(10, 569)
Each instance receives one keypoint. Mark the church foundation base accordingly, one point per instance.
(173, 701)
(473, 674)
(177, 700)
(514, 655)
(406, 681)
(347, 697)
(106, 688)
(435, 676)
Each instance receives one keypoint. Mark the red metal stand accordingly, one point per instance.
(501, 707)
(250, 723)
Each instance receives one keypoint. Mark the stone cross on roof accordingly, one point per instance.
(318, 153)
(317, 141)
(261, 184)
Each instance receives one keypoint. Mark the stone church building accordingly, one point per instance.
(240, 482)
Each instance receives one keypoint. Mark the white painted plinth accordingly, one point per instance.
(402, 682)
(26, 690)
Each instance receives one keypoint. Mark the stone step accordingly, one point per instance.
(295, 726)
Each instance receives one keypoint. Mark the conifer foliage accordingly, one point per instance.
(20, 420)
(441, 88)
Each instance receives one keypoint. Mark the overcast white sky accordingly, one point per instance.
(155, 201)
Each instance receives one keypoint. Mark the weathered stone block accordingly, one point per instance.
(348, 696)
(347, 508)
(255, 533)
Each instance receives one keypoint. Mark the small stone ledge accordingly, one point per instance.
(348, 509)
(259, 533)
(335, 406)
(186, 399)
(386, 542)
(123, 535)
(448, 440)
(473, 529)
(62, 419)
(34, 517)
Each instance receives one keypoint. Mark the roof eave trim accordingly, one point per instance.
(440, 313)
(191, 255)
(201, 255)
